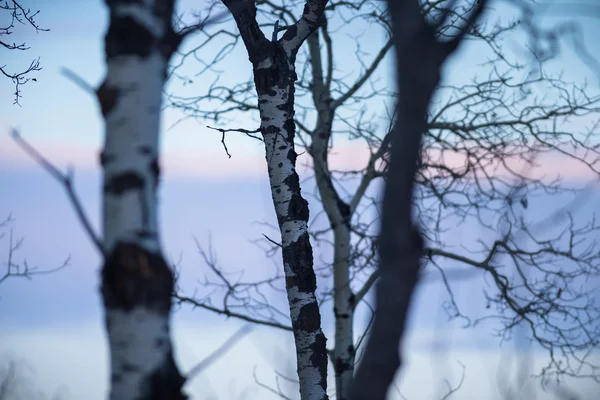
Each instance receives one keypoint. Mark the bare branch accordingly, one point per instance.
(220, 352)
(66, 180)
(14, 269)
(17, 14)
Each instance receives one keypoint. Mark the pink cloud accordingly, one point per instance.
(213, 164)
(175, 164)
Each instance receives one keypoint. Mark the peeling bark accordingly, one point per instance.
(136, 281)
(274, 77)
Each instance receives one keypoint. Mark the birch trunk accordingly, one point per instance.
(136, 281)
(338, 214)
(273, 64)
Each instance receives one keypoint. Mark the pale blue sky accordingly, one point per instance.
(202, 191)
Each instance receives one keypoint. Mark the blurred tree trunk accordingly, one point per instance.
(420, 56)
(137, 283)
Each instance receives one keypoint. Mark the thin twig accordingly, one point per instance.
(246, 131)
(66, 180)
(272, 241)
(15, 270)
(78, 80)
(454, 389)
(188, 30)
(270, 389)
(220, 352)
(195, 303)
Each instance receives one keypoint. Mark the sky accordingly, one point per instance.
(54, 322)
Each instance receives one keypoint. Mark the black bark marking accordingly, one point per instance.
(107, 97)
(343, 208)
(133, 277)
(352, 300)
(145, 234)
(128, 180)
(106, 159)
(167, 382)
(271, 129)
(291, 33)
(341, 365)
(318, 357)
(164, 9)
(351, 350)
(279, 75)
(155, 168)
(339, 315)
(297, 206)
(290, 127)
(130, 367)
(126, 36)
(309, 319)
(298, 255)
(145, 150)
(170, 44)
(292, 156)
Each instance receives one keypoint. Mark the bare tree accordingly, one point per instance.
(273, 63)
(137, 284)
(420, 56)
(136, 281)
(478, 165)
(15, 14)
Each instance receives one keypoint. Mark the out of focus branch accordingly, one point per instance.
(66, 181)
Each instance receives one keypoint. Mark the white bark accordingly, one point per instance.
(338, 214)
(136, 281)
(274, 78)
(131, 147)
(294, 239)
(134, 355)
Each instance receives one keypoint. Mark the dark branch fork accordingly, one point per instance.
(420, 56)
(66, 181)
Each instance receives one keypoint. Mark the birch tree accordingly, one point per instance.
(273, 65)
(136, 281)
(420, 56)
(476, 133)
